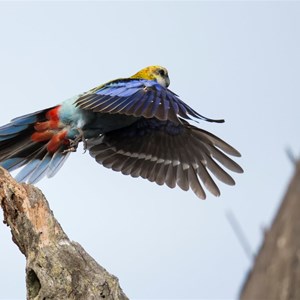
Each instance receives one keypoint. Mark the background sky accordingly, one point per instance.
(233, 60)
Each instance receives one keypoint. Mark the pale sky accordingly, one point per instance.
(235, 60)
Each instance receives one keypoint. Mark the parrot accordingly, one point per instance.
(135, 125)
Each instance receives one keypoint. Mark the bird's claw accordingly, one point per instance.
(70, 149)
(73, 144)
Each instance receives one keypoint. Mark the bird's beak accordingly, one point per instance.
(167, 79)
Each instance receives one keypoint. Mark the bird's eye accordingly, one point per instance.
(161, 72)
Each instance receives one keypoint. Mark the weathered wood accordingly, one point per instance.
(276, 272)
(56, 268)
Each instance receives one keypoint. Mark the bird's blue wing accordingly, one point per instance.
(139, 98)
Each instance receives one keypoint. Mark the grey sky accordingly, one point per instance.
(233, 60)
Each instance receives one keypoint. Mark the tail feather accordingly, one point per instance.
(25, 173)
(8, 130)
(40, 170)
(12, 164)
(31, 118)
(57, 162)
(20, 149)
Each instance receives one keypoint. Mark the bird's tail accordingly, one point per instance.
(37, 142)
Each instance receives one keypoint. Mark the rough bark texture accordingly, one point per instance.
(276, 272)
(56, 268)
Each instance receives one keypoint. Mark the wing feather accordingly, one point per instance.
(167, 153)
(139, 98)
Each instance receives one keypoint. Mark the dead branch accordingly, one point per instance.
(56, 268)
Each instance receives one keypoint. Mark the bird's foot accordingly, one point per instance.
(74, 143)
(70, 149)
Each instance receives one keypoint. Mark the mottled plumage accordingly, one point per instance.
(134, 125)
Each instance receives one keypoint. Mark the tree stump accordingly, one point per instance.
(56, 268)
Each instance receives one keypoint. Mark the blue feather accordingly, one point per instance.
(7, 137)
(140, 106)
(57, 162)
(40, 169)
(174, 106)
(122, 104)
(27, 170)
(139, 98)
(99, 102)
(27, 119)
(11, 129)
(12, 164)
(147, 106)
(133, 101)
(128, 92)
(108, 105)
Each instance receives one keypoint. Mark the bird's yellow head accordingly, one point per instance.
(158, 73)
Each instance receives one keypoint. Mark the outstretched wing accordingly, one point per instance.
(139, 98)
(167, 153)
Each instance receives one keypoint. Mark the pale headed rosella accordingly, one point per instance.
(134, 125)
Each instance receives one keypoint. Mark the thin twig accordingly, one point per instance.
(237, 229)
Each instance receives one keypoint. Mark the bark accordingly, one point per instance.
(56, 268)
(276, 271)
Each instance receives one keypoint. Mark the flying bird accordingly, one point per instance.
(133, 125)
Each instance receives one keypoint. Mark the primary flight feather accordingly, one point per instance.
(133, 125)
